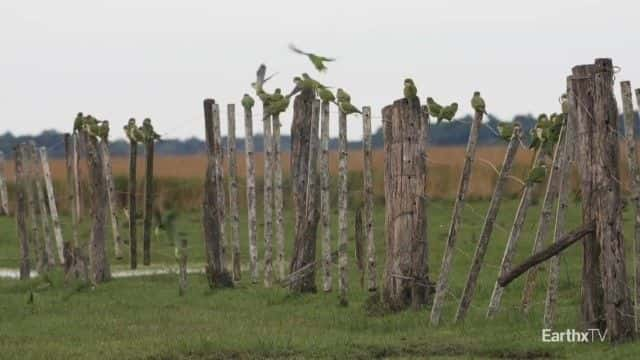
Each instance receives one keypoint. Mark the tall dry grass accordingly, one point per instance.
(179, 178)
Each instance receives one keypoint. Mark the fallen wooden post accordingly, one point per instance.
(552, 250)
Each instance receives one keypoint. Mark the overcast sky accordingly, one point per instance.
(155, 58)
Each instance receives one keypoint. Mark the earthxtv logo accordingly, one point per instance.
(573, 336)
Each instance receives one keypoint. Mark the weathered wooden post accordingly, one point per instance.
(53, 208)
(634, 171)
(564, 167)
(4, 197)
(21, 212)
(251, 189)
(35, 237)
(69, 140)
(98, 259)
(405, 278)
(149, 141)
(111, 197)
(305, 198)
(219, 173)
(42, 212)
(372, 283)
(217, 274)
(343, 196)
(233, 191)
(267, 196)
(325, 203)
(618, 303)
(581, 87)
(278, 197)
(487, 228)
(544, 222)
(442, 285)
(181, 258)
(132, 189)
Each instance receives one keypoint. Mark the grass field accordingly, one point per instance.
(144, 318)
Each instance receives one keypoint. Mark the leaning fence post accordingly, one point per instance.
(4, 199)
(368, 199)
(69, 147)
(545, 219)
(45, 227)
(233, 191)
(53, 208)
(634, 171)
(487, 228)
(564, 168)
(342, 209)
(325, 203)
(251, 191)
(442, 286)
(21, 212)
(111, 196)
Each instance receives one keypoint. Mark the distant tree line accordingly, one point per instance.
(455, 133)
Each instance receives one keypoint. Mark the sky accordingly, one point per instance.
(154, 58)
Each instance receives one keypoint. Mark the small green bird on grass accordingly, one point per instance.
(318, 61)
(478, 104)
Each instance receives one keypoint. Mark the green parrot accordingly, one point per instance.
(317, 60)
(247, 101)
(342, 96)
(434, 107)
(448, 112)
(91, 126)
(564, 102)
(410, 90)
(78, 123)
(263, 96)
(133, 132)
(276, 96)
(505, 130)
(103, 131)
(147, 131)
(348, 108)
(326, 95)
(477, 103)
(277, 107)
(536, 175)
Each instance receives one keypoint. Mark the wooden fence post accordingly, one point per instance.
(565, 163)
(546, 217)
(343, 196)
(98, 259)
(268, 198)
(618, 303)
(634, 171)
(442, 286)
(4, 197)
(111, 197)
(372, 283)
(148, 201)
(325, 198)
(251, 193)
(181, 258)
(217, 274)
(53, 208)
(233, 191)
(133, 236)
(278, 197)
(35, 238)
(21, 212)
(304, 136)
(487, 228)
(405, 281)
(219, 173)
(41, 211)
(69, 147)
(581, 85)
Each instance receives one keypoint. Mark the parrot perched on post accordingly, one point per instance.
(147, 131)
(103, 131)
(536, 175)
(348, 108)
(478, 104)
(78, 123)
(247, 101)
(448, 112)
(564, 102)
(133, 132)
(410, 90)
(326, 95)
(342, 96)
(434, 107)
(91, 126)
(317, 60)
(506, 130)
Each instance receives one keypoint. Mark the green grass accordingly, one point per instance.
(145, 318)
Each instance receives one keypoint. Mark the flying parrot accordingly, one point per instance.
(477, 103)
(317, 60)
(247, 101)
(448, 112)
(434, 107)
(261, 78)
(410, 90)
